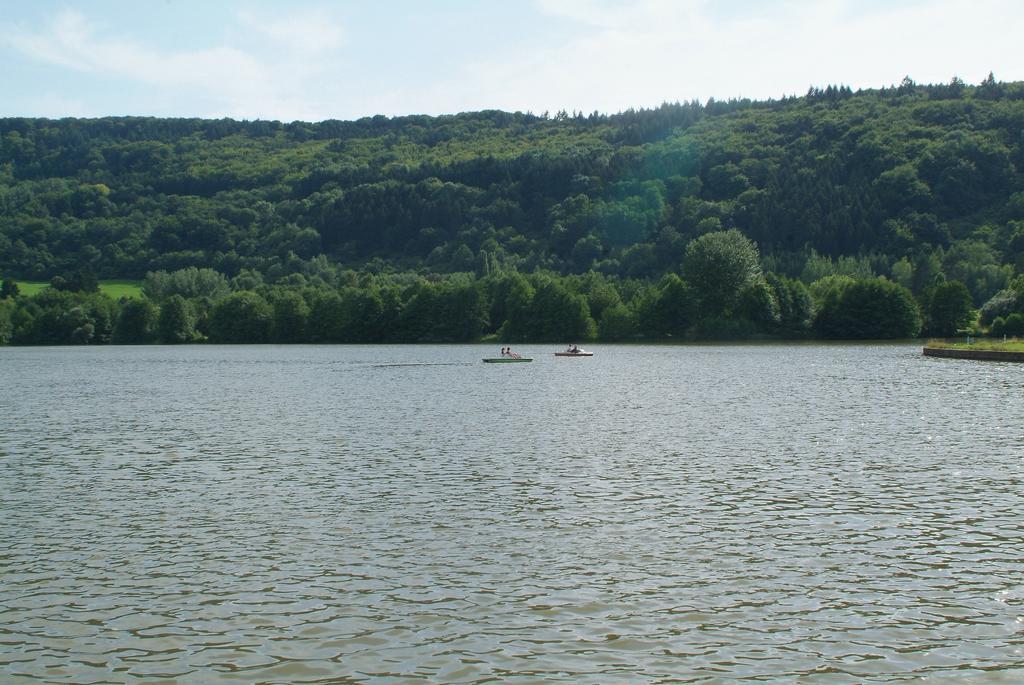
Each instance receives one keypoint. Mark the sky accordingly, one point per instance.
(310, 61)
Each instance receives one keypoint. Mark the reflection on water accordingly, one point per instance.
(821, 514)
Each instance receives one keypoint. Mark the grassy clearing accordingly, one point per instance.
(114, 288)
(119, 289)
(30, 288)
(1014, 345)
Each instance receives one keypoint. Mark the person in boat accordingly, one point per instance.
(504, 352)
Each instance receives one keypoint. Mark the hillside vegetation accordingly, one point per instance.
(919, 186)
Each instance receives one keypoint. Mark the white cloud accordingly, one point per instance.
(240, 83)
(311, 32)
(58, 45)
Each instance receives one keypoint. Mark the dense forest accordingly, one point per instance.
(840, 214)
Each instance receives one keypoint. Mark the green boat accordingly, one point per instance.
(506, 360)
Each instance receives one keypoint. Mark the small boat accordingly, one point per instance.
(577, 352)
(506, 360)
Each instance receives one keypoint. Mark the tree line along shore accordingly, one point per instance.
(728, 297)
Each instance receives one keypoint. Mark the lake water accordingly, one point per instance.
(386, 514)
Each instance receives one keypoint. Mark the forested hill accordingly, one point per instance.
(896, 182)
